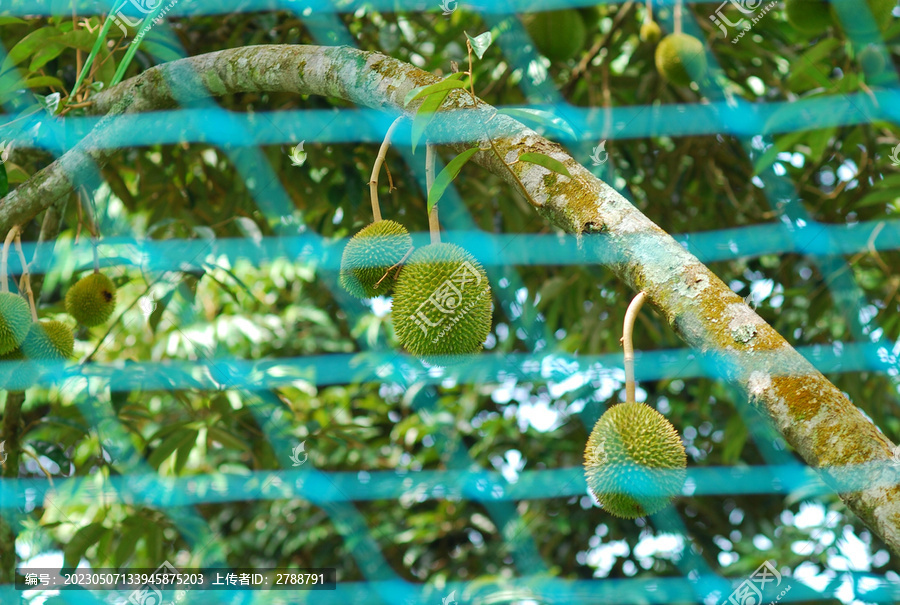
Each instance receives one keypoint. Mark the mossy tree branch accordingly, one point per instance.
(824, 427)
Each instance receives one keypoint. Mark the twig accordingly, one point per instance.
(434, 226)
(376, 168)
(41, 466)
(395, 265)
(26, 279)
(627, 330)
(678, 10)
(4, 285)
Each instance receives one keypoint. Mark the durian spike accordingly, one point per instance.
(627, 331)
(434, 226)
(376, 169)
(4, 260)
(26, 278)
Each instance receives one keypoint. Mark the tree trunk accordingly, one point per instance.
(827, 430)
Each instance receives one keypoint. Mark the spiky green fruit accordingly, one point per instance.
(92, 300)
(681, 58)
(650, 32)
(49, 340)
(370, 254)
(442, 304)
(15, 319)
(808, 16)
(558, 35)
(16, 372)
(629, 442)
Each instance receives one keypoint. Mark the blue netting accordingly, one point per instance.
(240, 135)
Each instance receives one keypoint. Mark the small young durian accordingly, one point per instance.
(559, 34)
(808, 16)
(650, 32)
(15, 319)
(442, 304)
(370, 254)
(629, 442)
(92, 300)
(49, 340)
(681, 58)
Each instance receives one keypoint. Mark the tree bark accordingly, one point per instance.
(822, 425)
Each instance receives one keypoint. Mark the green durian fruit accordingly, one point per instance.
(442, 304)
(650, 32)
(681, 58)
(368, 256)
(808, 16)
(628, 443)
(92, 300)
(558, 35)
(49, 340)
(15, 319)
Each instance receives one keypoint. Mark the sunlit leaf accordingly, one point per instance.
(450, 171)
(546, 161)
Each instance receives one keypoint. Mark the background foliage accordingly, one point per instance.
(704, 181)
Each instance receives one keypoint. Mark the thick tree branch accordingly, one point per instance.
(812, 414)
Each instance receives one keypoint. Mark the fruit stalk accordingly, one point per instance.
(678, 10)
(4, 285)
(434, 226)
(627, 331)
(648, 16)
(376, 168)
(26, 278)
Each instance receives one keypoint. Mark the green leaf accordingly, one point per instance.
(415, 93)
(228, 439)
(83, 539)
(171, 443)
(12, 21)
(27, 46)
(45, 55)
(41, 81)
(4, 181)
(425, 114)
(128, 541)
(480, 43)
(184, 450)
(546, 161)
(81, 39)
(161, 52)
(447, 175)
(429, 90)
(540, 118)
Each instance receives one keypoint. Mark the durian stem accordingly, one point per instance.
(25, 282)
(648, 16)
(434, 226)
(627, 331)
(96, 256)
(376, 169)
(678, 19)
(4, 285)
